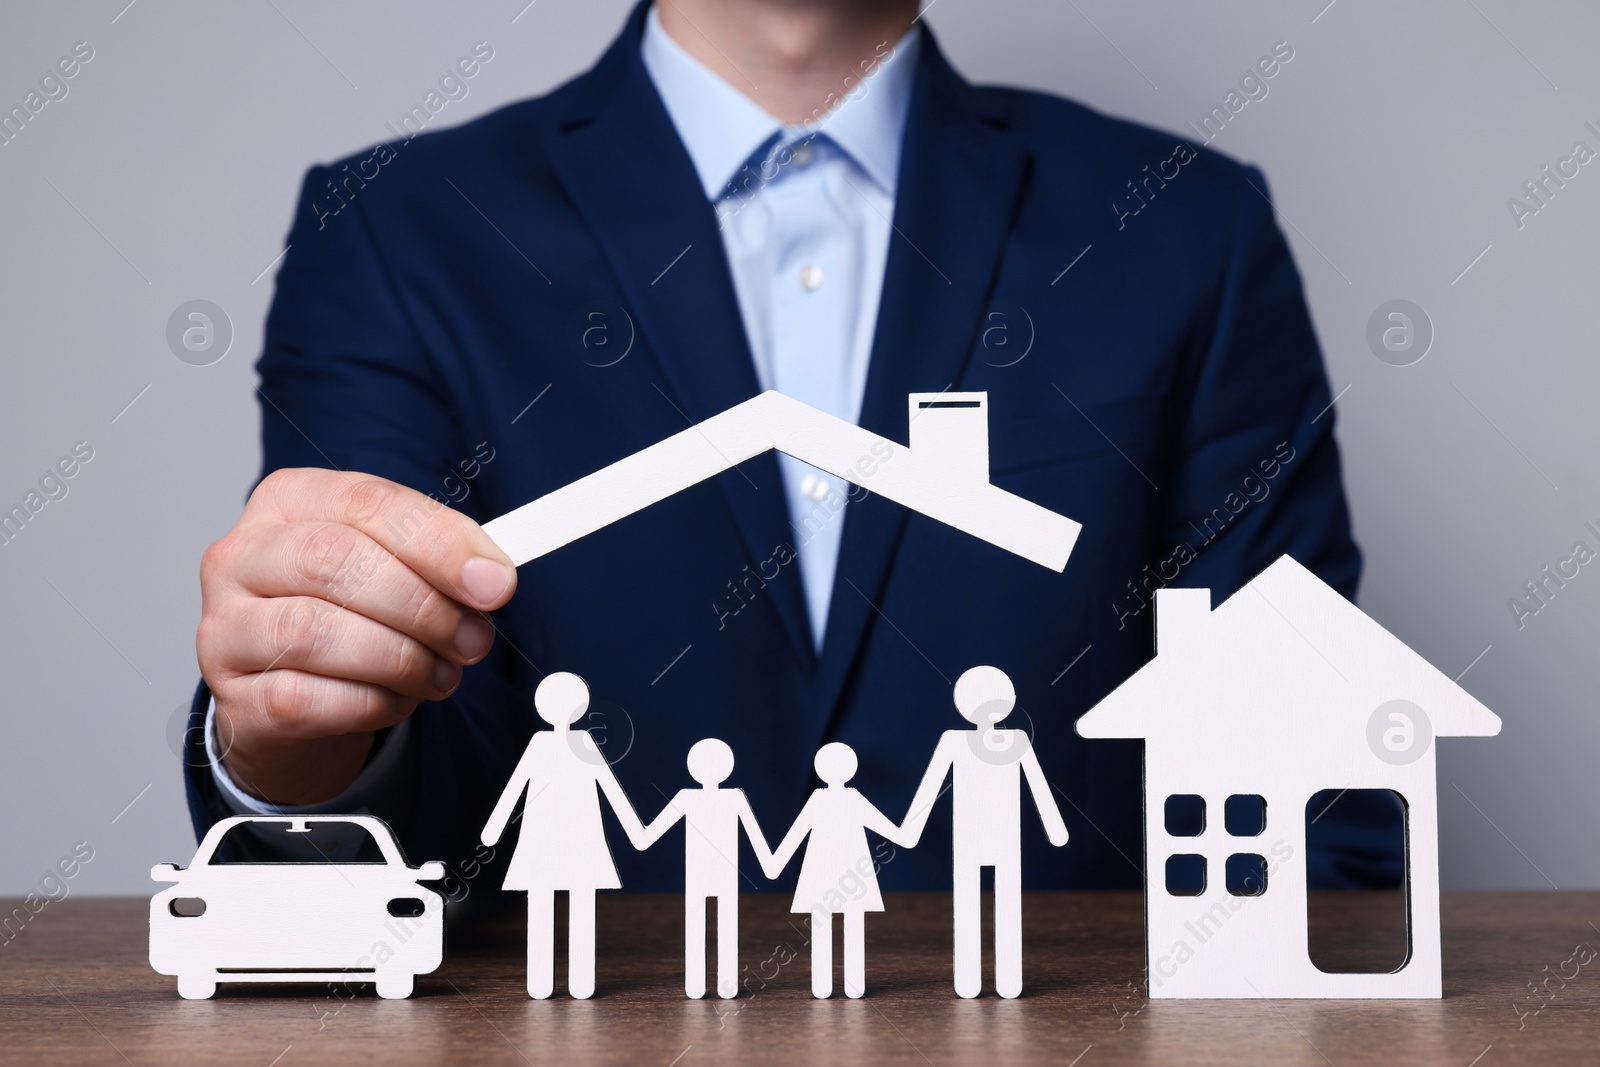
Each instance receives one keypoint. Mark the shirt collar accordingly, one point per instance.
(722, 128)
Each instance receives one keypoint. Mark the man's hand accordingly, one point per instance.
(336, 605)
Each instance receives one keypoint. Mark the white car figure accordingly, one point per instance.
(318, 921)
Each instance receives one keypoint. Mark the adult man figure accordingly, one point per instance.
(704, 203)
(711, 818)
(986, 826)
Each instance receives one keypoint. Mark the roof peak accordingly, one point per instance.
(1290, 631)
(943, 474)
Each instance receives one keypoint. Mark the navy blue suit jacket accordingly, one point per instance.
(1164, 391)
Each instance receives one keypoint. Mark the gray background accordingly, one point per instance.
(1392, 141)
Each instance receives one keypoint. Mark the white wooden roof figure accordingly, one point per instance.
(944, 474)
(712, 816)
(839, 874)
(1285, 690)
(989, 765)
(562, 843)
(318, 921)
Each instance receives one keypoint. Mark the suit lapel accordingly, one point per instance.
(629, 176)
(961, 176)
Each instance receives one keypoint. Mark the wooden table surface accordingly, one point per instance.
(76, 987)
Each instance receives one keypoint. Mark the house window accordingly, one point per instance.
(1244, 815)
(1185, 815)
(1186, 875)
(1245, 874)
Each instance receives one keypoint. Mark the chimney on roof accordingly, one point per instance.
(951, 431)
(1179, 615)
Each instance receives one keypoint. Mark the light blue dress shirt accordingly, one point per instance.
(805, 219)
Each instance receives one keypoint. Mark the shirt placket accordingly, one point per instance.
(812, 332)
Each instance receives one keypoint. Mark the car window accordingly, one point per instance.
(322, 841)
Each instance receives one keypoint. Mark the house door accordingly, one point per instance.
(1358, 912)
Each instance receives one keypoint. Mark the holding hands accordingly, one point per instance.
(563, 775)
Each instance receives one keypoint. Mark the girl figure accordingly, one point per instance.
(562, 844)
(838, 874)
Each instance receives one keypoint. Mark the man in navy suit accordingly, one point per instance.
(744, 195)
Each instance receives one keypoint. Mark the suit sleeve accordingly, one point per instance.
(1257, 469)
(1259, 476)
(345, 380)
(347, 384)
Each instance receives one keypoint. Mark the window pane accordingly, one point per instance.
(1185, 815)
(1244, 815)
(1186, 875)
(1246, 874)
(322, 841)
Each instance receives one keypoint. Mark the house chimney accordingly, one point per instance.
(1179, 615)
(950, 431)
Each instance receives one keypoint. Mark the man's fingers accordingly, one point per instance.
(306, 634)
(345, 567)
(292, 705)
(449, 550)
(336, 604)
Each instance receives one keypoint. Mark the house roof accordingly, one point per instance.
(1285, 643)
(943, 474)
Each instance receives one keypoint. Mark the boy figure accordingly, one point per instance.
(989, 765)
(711, 818)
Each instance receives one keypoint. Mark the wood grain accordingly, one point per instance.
(75, 988)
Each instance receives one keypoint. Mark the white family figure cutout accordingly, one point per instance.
(712, 816)
(986, 824)
(562, 844)
(838, 875)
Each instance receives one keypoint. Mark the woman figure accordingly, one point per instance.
(838, 874)
(562, 844)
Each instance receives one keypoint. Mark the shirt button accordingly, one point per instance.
(801, 154)
(810, 277)
(814, 487)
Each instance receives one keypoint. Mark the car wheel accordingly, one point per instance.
(196, 987)
(395, 986)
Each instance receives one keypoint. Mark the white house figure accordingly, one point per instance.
(944, 474)
(1286, 689)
